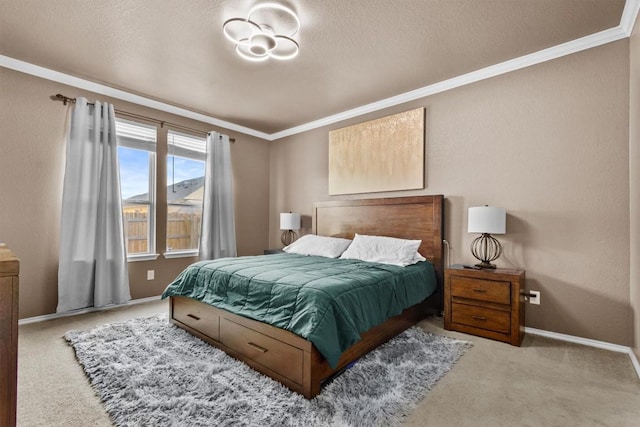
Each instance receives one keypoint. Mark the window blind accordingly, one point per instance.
(188, 146)
(136, 135)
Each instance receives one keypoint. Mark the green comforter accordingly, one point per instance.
(327, 301)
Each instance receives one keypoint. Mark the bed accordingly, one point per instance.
(288, 357)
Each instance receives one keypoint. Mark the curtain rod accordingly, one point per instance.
(66, 99)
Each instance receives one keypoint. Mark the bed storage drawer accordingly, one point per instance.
(271, 353)
(197, 315)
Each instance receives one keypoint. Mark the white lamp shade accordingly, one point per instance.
(289, 221)
(487, 219)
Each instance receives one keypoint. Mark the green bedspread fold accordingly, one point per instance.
(329, 302)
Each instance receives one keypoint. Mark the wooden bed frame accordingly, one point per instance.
(291, 359)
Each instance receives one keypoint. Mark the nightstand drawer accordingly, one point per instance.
(483, 290)
(484, 318)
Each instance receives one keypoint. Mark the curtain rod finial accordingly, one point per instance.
(60, 97)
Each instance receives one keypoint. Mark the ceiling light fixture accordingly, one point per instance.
(266, 33)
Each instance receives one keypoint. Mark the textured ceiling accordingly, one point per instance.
(353, 52)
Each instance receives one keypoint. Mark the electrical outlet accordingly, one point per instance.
(151, 274)
(534, 297)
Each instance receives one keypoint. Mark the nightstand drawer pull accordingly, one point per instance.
(257, 347)
(479, 318)
(193, 316)
(481, 291)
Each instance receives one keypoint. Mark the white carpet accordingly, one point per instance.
(149, 372)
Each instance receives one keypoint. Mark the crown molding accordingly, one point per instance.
(629, 16)
(568, 48)
(624, 30)
(57, 76)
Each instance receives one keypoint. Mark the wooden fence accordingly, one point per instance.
(136, 225)
(183, 231)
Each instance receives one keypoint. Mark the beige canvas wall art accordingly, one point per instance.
(385, 154)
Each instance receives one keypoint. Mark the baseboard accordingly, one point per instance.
(533, 331)
(634, 361)
(52, 316)
(589, 342)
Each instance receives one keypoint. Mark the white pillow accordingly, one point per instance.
(386, 250)
(310, 244)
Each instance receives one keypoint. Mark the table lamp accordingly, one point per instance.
(487, 220)
(288, 223)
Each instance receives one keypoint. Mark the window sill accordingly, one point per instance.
(180, 254)
(142, 257)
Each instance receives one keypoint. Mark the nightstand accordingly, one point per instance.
(273, 251)
(487, 303)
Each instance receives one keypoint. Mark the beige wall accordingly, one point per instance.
(550, 144)
(634, 184)
(32, 149)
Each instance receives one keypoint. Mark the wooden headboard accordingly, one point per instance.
(418, 218)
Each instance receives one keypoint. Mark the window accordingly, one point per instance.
(137, 158)
(185, 189)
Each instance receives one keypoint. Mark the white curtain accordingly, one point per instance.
(92, 265)
(218, 234)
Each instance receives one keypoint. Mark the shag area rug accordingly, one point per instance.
(148, 372)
